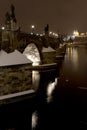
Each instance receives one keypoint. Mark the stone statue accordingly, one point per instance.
(47, 28)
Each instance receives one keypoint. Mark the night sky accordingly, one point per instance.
(61, 15)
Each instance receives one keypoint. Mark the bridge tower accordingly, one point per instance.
(9, 30)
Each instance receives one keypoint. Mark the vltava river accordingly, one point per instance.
(60, 101)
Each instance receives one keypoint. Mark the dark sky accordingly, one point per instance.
(61, 15)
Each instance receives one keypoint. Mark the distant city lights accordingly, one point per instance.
(52, 34)
(76, 33)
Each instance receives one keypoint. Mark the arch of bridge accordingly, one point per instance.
(33, 52)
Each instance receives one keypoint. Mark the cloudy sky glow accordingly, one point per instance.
(61, 15)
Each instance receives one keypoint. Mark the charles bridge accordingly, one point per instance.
(18, 77)
(18, 51)
(17, 40)
(12, 38)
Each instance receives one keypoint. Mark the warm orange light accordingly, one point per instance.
(76, 33)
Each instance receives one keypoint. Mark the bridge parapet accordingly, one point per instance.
(12, 40)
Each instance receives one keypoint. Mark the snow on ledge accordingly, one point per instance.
(13, 58)
(17, 94)
(48, 49)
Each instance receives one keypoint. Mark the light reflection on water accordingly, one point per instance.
(56, 104)
(35, 79)
(72, 56)
(64, 103)
(51, 86)
(75, 65)
(34, 120)
(47, 82)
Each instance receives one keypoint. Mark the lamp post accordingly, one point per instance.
(32, 29)
(3, 28)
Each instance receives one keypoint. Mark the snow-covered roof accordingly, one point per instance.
(48, 49)
(13, 58)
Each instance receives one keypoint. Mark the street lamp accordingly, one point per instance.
(3, 28)
(32, 29)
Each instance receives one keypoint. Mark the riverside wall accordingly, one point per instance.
(15, 78)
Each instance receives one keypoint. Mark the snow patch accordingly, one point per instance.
(13, 58)
(48, 49)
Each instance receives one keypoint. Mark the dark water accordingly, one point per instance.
(60, 101)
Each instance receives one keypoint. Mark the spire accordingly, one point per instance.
(7, 17)
(10, 19)
(13, 13)
(7, 20)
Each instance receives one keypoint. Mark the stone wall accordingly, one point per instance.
(60, 51)
(15, 78)
(49, 57)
